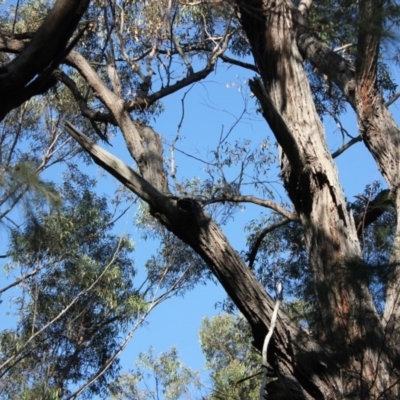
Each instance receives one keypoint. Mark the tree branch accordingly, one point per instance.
(38, 59)
(350, 143)
(239, 63)
(251, 255)
(123, 173)
(392, 100)
(18, 281)
(141, 103)
(291, 216)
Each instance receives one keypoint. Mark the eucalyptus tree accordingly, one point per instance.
(233, 363)
(80, 301)
(77, 297)
(309, 60)
(157, 377)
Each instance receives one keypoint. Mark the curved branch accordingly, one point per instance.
(251, 255)
(239, 63)
(291, 216)
(141, 103)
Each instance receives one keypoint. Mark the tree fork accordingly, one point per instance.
(298, 360)
(348, 314)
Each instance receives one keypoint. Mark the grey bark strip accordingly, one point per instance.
(279, 297)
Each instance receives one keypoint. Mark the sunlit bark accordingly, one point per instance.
(348, 318)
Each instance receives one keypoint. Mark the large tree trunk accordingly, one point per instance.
(382, 137)
(348, 318)
(352, 358)
(378, 129)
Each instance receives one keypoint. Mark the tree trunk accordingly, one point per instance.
(348, 318)
(382, 137)
(352, 358)
(377, 127)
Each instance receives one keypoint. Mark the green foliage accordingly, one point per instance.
(156, 377)
(234, 364)
(21, 185)
(74, 308)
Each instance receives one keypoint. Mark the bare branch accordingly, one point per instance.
(350, 143)
(251, 256)
(392, 100)
(344, 47)
(239, 63)
(254, 200)
(18, 281)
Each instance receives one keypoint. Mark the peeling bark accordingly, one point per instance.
(382, 137)
(349, 319)
(352, 357)
(377, 127)
(298, 360)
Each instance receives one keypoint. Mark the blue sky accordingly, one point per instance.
(212, 105)
(177, 321)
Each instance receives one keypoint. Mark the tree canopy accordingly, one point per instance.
(83, 74)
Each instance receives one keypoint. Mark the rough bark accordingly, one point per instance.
(382, 137)
(377, 127)
(279, 37)
(349, 320)
(30, 73)
(298, 360)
